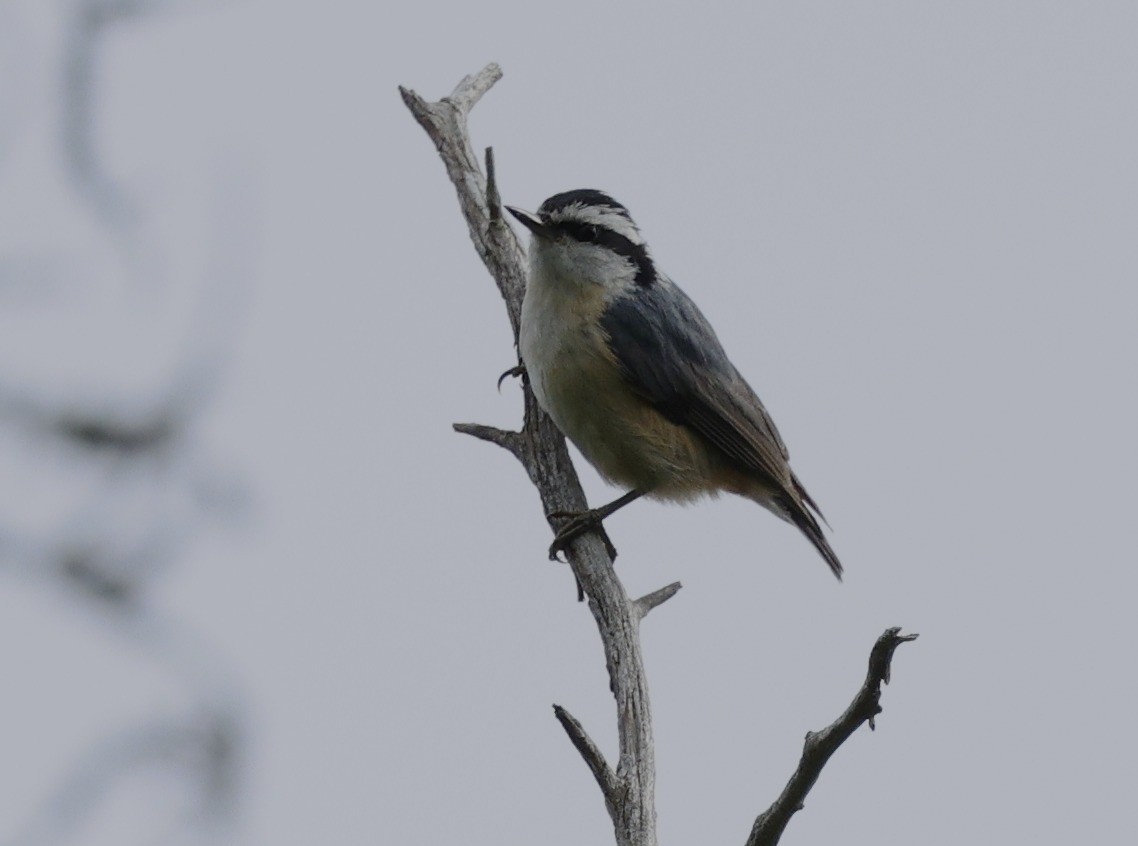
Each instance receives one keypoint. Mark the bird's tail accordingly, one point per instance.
(797, 506)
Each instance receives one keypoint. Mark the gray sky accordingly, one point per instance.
(913, 226)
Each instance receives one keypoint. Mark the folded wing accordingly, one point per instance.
(670, 355)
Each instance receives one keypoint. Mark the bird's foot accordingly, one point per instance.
(514, 372)
(580, 522)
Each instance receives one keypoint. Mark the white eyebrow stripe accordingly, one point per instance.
(600, 216)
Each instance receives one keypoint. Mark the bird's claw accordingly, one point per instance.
(515, 371)
(580, 522)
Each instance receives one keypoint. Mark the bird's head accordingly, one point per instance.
(586, 237)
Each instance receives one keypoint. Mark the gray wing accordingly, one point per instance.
(670, 355)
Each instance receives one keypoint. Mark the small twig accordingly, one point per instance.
(493, 198)
(592, 754)
(509, 441)
(657, 597)
(821, 745)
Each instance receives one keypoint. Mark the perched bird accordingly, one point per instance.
(632, 373)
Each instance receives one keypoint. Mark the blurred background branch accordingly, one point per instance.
(110, 359)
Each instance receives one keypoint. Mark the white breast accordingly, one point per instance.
(562, 344)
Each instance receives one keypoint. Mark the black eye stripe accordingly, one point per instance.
(602, 236)
(588, 233)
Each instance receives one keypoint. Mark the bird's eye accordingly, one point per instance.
(581, 232)
(588, 232)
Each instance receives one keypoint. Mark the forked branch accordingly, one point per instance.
(822, 744)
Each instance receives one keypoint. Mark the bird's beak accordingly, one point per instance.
(530, 221)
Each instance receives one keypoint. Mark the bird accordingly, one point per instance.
(630, 371)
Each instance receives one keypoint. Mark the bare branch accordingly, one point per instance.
(495, 241)
(657, 597)
(590, 752)
(509, 441)
(821, 745)
(541, 449)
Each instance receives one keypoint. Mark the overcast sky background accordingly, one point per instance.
(913, 227)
